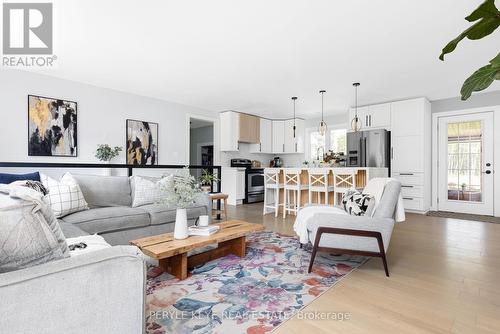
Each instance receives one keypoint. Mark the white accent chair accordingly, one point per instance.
(318, 183)
(292, 187)
(343, 181)
(272, 186)
(357, 235)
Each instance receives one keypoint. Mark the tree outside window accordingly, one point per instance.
(317, 141)
(338, 141)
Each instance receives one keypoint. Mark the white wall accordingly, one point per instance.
(101, 118)
(477, 100)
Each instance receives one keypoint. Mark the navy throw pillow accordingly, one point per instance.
(9, 178)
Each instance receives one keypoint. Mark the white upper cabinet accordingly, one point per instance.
(294, 144)
(229, 131)
(407, 117)
(380, 116)
(373, 117)
(266, 137)
(278, 137)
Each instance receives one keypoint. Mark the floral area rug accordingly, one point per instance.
(252, 295)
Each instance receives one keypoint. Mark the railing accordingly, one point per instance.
(129, 168)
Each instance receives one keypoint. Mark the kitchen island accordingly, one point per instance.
(363, 175)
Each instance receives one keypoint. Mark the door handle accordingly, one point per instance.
(392, 153)
(366, 120)
(406, 186)
(295, 147)
(260, 147)
(408, 198)
(370, 118)
(407, 174)
(487, 172)
(283, 148)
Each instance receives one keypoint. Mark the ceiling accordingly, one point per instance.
(252, 56)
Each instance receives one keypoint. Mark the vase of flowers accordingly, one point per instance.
(206, 179)
(180, 191)
(105, 154)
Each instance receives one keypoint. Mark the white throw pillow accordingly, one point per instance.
(145, 190)
(65, 196)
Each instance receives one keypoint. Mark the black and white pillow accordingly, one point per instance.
(64, 196)
(356, 203)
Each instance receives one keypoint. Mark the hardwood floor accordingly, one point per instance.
(445, 278)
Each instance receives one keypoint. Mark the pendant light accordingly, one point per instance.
(356, 123)
(294, 98)
(322, 124)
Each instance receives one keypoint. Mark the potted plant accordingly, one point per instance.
(206, 180)
(105, 153)
(180, 191)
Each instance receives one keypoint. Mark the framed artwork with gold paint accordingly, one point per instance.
(142, 142)
(52, 127)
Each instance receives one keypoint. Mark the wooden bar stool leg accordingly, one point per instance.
(225, 208)
(285, 201)
(276, 202)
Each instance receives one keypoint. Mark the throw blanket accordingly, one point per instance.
(376, 188)
(306, 213)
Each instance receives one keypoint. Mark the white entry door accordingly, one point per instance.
(466, 163)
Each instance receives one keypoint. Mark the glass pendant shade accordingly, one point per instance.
(322, 125)
(356, 122)
(322, 128)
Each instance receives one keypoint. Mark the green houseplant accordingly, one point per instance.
(105, 153)
(206, 180)
(487, 20)
(180, 191)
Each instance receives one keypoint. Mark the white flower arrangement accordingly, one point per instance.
(180, 189)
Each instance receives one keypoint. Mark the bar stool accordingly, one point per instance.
(293, 186)
(318, 182)
(272, 184)
(344, 179)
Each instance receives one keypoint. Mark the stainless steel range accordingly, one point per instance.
(254, 180)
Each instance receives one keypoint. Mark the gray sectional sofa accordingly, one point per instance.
(112, 216)
(98, 292)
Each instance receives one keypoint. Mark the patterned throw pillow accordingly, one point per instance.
(145, 190)
(35, 185)
(65, 196)
(356, 203)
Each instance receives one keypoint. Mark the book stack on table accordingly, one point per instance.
(203, 230)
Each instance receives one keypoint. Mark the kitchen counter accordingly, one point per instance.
(363, 175)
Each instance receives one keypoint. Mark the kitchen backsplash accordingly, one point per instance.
(289, 160)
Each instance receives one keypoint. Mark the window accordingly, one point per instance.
(335, 142)
(338, 139)
(464, 161)
(317, 141)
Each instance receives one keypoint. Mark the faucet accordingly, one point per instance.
(322, 155)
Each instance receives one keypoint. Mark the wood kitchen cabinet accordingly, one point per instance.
(249, 129)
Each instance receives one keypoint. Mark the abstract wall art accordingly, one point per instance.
(142, 142)
(52, 127)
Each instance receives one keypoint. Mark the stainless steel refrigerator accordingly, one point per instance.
(369, 148)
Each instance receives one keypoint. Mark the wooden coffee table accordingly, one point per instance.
(172, 253)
